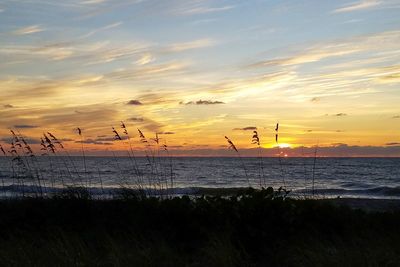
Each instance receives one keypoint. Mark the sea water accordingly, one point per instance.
(323, 177)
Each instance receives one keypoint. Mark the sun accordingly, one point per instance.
(284, 145)
(280, 145)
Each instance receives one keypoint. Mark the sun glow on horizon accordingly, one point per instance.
(284, 145)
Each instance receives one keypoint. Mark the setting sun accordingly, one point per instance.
(284, 145)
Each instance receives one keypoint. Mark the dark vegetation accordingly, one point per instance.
(252, 228)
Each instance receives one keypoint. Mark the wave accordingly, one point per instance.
(376, 192)
(106, 192)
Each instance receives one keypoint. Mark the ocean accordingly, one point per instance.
(320, 177)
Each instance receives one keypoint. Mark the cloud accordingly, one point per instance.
(93, 2)
(29, 140)
(107, 27)
(198, 7)
(136, 119)
(374, 44)
(7, 140)
(32, 141)
(153, 126)
(204, 10)
(339, 145)
(92, 8)
(310, 55)
(340, 115)
(148, 124)
(166, 133)
(391, 78)
(392, 144)
(203, 102)
(94, 142)
(47, 52)
(28, 30)
(147, 72)
(337, 150)
(8, 106)
(21, 88)
(110, 139)
(134, 102)
(249, 128)
(64, 119)
(360, 5)
(201, 43)
(157, 98)
(353, 21)
(66, 140)
(25, 126)
(315, 99)
(79, 51)
(145, 59)
(396, 117)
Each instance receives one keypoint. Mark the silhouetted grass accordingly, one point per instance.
(252, 228)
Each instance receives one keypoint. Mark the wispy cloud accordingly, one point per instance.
(200, 43)
(29, 140)
(204, 9)
(203, 102)
(93, 2)
(360, 5)
(76, 50)
(149, 124)
(393, 77)
(393, 144)
(249, 128)
(379, 42)
(146, 58)
(147, 72)
(28, 30)
(198, 7)
(107, 27)
(25, 126)
(362, 76)
(94, 142)
(87, 53)
(311, 55)
(136, 119)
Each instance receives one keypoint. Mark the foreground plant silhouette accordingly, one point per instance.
(250, 228)
(232, 146)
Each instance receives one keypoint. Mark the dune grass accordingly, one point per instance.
(253, 228)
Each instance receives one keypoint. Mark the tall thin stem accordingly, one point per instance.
(313, 171)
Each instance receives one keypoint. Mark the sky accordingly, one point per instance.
(194, 71)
